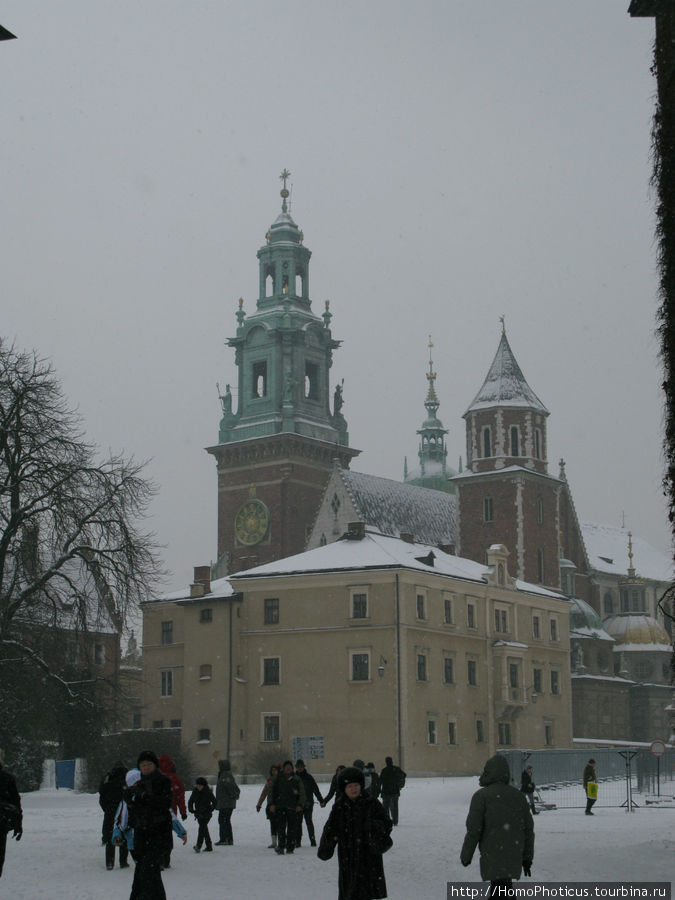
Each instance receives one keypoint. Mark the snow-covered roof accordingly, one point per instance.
(585, 622)
(607, 547)
(220, 588)
(637, 631)
(507, 470)
(393, 507)
(505, 384)
(379, 551)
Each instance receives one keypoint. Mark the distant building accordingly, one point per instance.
(370, 646)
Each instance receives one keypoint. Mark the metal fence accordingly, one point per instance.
(626, 776)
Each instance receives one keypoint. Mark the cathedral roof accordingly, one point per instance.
(392, 507)
(585, 622)
(637, 632)
(505, 384)
(607, 547)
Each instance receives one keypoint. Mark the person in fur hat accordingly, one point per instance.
(361, 829)
(149, 805)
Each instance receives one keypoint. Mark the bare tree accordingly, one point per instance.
(72, 552)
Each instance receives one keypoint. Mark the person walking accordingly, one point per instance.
(372, 780)
(149, 809)
(333, 786)
(392, 782)
(288, 801)
(11, 814)
(201, 804)
(311, 791)
(227, 794)
(500, 824)
(527, 787)
(110, 794)
(590, 778)
(361, 829)
(265, 794)
(167, 767)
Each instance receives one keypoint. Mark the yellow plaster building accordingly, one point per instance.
(368, 647)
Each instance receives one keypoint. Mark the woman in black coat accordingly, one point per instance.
(149, 804)
(109, 797)
(360, 827)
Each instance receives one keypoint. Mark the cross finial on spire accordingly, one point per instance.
(431, 375)
(285, 175)
(502, 319)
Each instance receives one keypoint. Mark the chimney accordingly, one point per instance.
(356, 531)
(447, 548)
(408, 537)
(202, 580)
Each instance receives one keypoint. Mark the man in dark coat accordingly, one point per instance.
(110, 794)
(589, 776)
(311, 791)
(360, 827)
(227, 794)
(201, 804)
(149, 803)
(501, 824)
(392, 780)
(372, 780)
(527, 787)
(11, 815)
(288, 801)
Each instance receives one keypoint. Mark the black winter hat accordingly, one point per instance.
(388, 760)
(148, 756)
(350, 775)
(359, 764)
(202, 781)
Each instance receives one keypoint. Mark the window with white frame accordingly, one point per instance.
(555, 682)
(501, 620)
(271, 727)
(470, 615)
(420, 605)
(166, 683)
(536, 627)
(432, 735)
(271, 611)
(270, 670)
(447, 610)
(359, 605)
(554, 629)
(359, 661)
(167, 632)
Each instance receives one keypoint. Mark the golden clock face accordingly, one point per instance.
(251, 522)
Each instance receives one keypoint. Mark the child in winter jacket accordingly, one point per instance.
(201, 804)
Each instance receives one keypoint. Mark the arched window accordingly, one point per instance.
(487, 441)
(515, 444)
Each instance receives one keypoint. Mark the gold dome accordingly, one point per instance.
(638, 631)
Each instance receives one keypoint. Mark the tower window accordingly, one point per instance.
(540, 511)
(488, 510)
(537, 443)
(259, 379)
(269, 281)
(515, 444)
(540, 565)
(487, 442)
(311, 381)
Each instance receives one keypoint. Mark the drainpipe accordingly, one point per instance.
(398, 672)
(229, 685)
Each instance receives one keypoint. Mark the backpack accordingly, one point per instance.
(400, 779)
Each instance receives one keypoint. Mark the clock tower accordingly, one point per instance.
(276, 451)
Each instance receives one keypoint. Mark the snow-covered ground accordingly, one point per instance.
(60, 856)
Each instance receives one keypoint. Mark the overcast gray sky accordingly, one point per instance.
(451, 162)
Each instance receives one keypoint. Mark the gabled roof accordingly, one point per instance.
(393, 507)
(607, 548)
(378, 551)
(505, 384)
